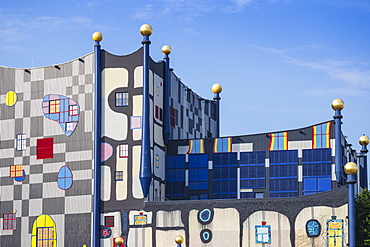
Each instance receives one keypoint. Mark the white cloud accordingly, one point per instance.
(342, 71)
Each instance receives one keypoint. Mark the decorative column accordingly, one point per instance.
(364, 141)
(97, 37)
(216, 89)
(145, 173)
(351, 169)
(337, 106)
(166, 50)
(179, 240)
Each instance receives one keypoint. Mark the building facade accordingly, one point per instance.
(53, 157)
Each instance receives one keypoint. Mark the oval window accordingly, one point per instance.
(65, 178)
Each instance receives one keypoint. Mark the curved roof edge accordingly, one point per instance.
(56, 64)
(130, 54)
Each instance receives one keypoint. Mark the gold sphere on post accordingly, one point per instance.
(118, 241)
(146, 30)
(97, 36)
(337, 105)
(179, 239)
(166, 49)
(216, 88)
(364, 140)
(350, 168)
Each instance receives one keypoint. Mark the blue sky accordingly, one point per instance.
(280, 62)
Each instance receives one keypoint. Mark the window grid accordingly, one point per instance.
(69, 126)
(21, 142)
(65, 178)
(9, 222)
(123, 150)
(16, 171)
(109, 221)
(121, 99)
(54, 106)
(263, 234)
(73, 110)
(45, 237)
(118, 176)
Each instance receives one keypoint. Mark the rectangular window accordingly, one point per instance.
(136, 122)
(278, 141)
(118, 176)
(69, 127)
(121, 99)
(123, 150)
(156, 161)
(158, 113)
(321, 135)
(222, 145)
(9, 222)
(109, 221)
(196, 147)
(45, 148)
(54, 106)
(16, 171)
(21, 142)
(335, 233)
(73, 110)
(263, 234)
(172, 117)
(45, 236)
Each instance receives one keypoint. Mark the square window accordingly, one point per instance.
(9, 222)
(73, 110)
(263, 234)
(109, 221)
(45, 236)
(121, 99)
(118, 176)
(54, 106)
(16, 171)
(45, 148)
(21, 142)
(123, 150)
(136, 122)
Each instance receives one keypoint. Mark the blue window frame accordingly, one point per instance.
(313, 228)
(65, 178)
(121, 99)
(263, 234)
(21, 142)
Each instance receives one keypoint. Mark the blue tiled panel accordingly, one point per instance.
(224, 184)
(283, 173)
(198, 172)
(316, 170)
(252, 169)
(175, 177)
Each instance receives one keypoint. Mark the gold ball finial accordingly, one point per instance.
(179, 239)
(364, 140)
(337, 105)
(166, 49)
(118, 241)
(216, 88)
(97, 36)
(146, 30)
(350, 168)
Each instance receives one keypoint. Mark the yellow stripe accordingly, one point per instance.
(314, 136)
(272, 141)
(215, 145)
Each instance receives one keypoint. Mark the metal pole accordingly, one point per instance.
(351, 181)
(97, 135)
(338, 145)
(166, 103)
(145, 162)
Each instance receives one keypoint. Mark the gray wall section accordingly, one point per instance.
(74, 237)
(289, 207)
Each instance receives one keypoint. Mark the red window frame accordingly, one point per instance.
(123, 150)
(9, 222)
(45, 148)
(109, 221)
(73, 110)
(16, 171)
